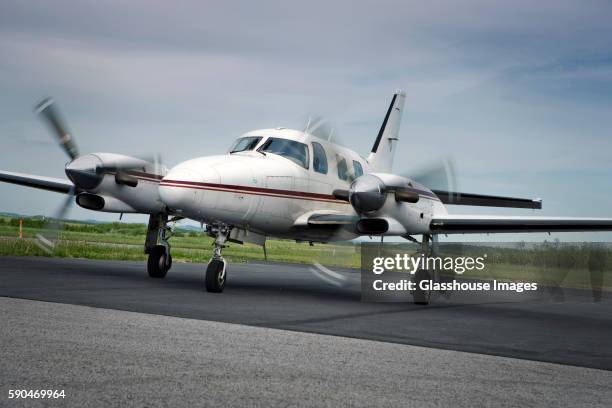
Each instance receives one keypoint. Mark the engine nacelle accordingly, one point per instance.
(103, 203)
(380, 226)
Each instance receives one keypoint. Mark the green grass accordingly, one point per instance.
(118, 241)
(185, 248)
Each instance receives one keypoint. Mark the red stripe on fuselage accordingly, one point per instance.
(270, 192)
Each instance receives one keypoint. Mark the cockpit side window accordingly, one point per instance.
(358, 170)
(245, 143)
(319, 158)
(342, 168)
(289, 149)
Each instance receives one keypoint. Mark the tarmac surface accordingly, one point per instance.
(575, 331)
(107, 358)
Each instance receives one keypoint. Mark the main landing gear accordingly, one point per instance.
(429, 248)
(157, 246)
(216, 272)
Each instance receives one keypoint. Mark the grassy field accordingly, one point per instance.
(546, 263)
(125, 242)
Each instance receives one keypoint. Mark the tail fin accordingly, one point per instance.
(381, 158)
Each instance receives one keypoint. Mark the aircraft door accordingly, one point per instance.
(274, 203)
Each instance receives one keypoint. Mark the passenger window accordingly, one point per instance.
(289, 149)
(319, 158)
(342, 168)
(357, 169)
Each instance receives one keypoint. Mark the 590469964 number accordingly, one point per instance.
(36, 394)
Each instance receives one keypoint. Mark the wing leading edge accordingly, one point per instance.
(45, 183)
(497, 224)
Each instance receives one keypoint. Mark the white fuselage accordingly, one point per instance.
(272, 195)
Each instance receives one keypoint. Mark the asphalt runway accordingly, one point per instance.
(574, 331)
(114, 358)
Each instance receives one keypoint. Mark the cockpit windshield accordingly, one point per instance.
(245, 143)
(290, 149)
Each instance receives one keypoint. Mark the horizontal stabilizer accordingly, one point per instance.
(44, 183)
(486, 200)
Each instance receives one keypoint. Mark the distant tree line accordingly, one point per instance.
(101, 228)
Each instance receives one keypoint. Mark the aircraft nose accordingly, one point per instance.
(179, 188)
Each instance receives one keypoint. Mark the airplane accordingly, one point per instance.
(282, 183)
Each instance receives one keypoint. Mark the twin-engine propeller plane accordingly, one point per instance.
(278, 183)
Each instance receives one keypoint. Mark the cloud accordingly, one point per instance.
(511, 89)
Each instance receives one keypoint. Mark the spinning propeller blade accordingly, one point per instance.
(48, 239)
(50, 114)
(438, 175)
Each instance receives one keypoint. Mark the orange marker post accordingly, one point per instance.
(21, 228)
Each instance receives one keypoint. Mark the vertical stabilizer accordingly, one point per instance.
(381, 158)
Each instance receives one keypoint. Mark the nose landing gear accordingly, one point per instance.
(216, 271)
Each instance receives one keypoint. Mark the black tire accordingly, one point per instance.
(157, 266)
(419, 296)
(216, 273)
(169, 262)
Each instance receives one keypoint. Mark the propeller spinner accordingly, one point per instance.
(368, 193)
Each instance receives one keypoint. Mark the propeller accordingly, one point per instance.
(322, 128)
(47, 240)
(326, 258)
(437, 175)
(368, 193)
(85, 171)
(50, 115)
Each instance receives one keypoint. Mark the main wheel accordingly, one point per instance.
(215, 276)
(158, 264)
(420, 296)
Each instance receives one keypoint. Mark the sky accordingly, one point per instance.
(518, 94)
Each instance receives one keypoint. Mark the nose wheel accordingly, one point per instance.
(215, 275)
(216, 271)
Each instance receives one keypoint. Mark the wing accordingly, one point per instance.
(486, 200)
(466, 224)
(44, 183)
